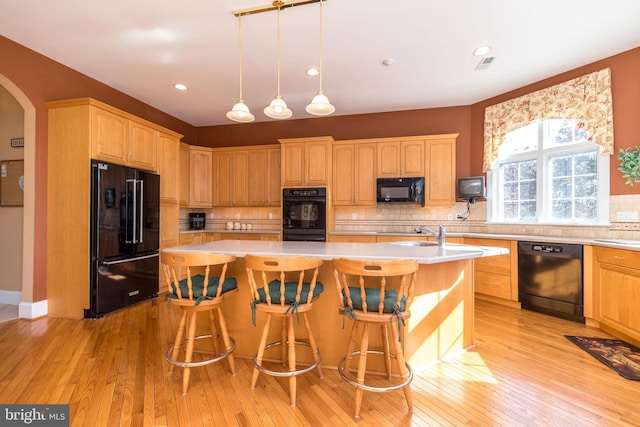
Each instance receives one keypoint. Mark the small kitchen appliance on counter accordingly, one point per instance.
(197, 220)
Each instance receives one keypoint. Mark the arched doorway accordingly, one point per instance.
(26, 308)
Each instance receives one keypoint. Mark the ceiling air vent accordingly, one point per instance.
(484, 63)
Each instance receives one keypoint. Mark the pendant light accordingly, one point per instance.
(320, 105)
(278, 109)
(240, 112)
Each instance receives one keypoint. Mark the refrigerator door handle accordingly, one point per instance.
(140, 235)
(133, 237)
(120, 261)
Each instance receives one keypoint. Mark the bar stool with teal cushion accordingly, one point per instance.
(376, 293)
(194, 287)
(285, 288)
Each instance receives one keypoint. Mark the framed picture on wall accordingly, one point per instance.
(11, 183)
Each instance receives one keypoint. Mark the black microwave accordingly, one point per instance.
(400, 190)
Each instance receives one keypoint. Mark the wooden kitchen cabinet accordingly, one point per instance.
(496, 276)
(184, 170)
(169, 168)
(200, 177)
(305, 161)
(264, 177)
(352, 238)
(618, 291)
(118, 139)
(398, 157)
(440, 185)
(79, 130)
(169, 225)
(230, 177)
(354, 174)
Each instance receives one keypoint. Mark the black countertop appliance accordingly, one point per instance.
(197, 220)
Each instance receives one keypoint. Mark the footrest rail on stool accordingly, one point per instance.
(287, 373)
(363, 386)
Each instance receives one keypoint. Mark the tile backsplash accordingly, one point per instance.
(406, 217)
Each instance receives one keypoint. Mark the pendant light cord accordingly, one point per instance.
(278, 51)
(240, 47)
(320, 66)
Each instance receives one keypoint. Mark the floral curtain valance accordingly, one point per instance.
(586, 98)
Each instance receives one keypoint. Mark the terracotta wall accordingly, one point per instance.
(400, 123)
(625, 82)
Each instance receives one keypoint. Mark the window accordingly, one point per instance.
(548, 172)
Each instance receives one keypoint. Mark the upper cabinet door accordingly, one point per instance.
(401, 159)
(109, 133)
(200, 177)
(306, 161)
(441, 167)
(142, 146)
(169, 167)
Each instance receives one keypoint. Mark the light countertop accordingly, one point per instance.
(633, 245)
(331, 250)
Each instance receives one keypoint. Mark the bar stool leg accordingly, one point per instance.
(214, 332)
(401, 363)
(362, 366)
(351, 347)
(291, 344)
(191, 333)
(283, 340)
(261, 348)
(312, 341)
(387, 353)
(178, 341)
(226, 340)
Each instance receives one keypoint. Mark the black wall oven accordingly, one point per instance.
(304, 214)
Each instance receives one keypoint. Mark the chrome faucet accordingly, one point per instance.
(441, 235)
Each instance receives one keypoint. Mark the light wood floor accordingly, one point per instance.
(112, 372)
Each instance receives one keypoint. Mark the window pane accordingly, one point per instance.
(528, 190)
(510, 191)
(586, 187)
(562, 132)
(562, 209)
(586, 163)
(528, 170)
(586, 209)
(520, 140)
(562, 166)
(528, 210)
(561, 188)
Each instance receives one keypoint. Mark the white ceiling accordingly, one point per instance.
(143, 47)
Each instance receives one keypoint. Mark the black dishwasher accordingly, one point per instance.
(550, 279)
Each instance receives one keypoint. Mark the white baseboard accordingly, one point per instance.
(10, 297)
(33, 310)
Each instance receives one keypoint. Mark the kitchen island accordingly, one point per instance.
(441, 323)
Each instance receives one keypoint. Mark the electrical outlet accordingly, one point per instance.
(627, 216)
(449, 217)
(354, 216)
(270, 215)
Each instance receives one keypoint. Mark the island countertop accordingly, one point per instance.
(329, 250)
(441, 321)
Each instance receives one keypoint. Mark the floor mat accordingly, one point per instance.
(619, 355)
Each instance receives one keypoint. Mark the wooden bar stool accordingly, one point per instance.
(285, 288)
(199, 291)
(375, 293)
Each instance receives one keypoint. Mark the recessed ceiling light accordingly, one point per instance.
(388, 62)
(312, 72)
(180, 86)
(482, 50)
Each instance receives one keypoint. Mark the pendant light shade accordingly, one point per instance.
(320, 105)
(278, 109)
(240, 112)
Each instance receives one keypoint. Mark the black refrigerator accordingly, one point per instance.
(125, 234)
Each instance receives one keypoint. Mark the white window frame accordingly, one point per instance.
(543, 189)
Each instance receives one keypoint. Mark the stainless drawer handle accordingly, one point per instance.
(618, 257)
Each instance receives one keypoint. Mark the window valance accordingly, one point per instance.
(586, 98)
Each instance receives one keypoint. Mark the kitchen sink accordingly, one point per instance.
(415, 243)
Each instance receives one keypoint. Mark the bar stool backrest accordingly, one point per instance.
(195, 264)
(391, 287)
(299, 269)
